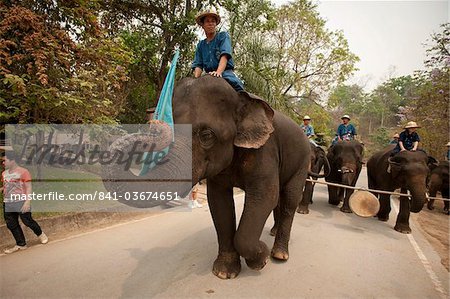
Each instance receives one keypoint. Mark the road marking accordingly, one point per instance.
(426, 264)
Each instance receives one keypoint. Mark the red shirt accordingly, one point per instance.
(14, 182)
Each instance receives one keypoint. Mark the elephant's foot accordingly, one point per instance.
(402, 228)
(227, 265)
(302, 209)
(280, 253)
(346, 209)
(273, 231)
(334, 202)
(383, 218)
(261, 259)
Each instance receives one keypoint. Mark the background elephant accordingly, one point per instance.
(439, 183)
(345, 159)
(318, 161)
(239, 141)
(408, 171)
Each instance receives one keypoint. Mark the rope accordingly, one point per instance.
(371, 190)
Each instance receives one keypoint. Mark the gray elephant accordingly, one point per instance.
(408, 171)
(239, 141)
(345, 159)
(319, 161)
(439, 182)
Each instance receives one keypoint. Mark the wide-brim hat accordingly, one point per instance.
(411, 124)
(396, 135)
(199, 18)
(448, 144)
(306, 117)
(346, 116)
(364, 204)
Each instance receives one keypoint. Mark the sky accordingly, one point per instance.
(388, 36)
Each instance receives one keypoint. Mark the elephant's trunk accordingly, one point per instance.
(170, 177)
(327, 170)
(418, 200)
(327, 167)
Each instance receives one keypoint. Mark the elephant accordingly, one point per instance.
(408, 171)
(439, 183)
(319, 160)
(345, 159)
(238, 140)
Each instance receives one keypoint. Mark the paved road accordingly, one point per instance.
(332, 254)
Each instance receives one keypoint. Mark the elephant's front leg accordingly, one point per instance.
(333, 195)
(346, 205)
(385, 207)
(306, 198)
(221, 205)
(260, 199)
(402, 224)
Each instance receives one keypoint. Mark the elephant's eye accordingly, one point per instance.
(207, 138)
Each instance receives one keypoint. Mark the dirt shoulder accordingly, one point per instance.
(434, 225)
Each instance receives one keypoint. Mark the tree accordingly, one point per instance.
(56, 65)
(163, 25)
(310, 58)
(431, 104)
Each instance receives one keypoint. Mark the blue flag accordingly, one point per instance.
(163, 110)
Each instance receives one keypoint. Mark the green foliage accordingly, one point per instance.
(381, 137)
(47, 76)
(154, 29)
(431, 101)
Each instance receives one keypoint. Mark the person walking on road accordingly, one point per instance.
(17, 202)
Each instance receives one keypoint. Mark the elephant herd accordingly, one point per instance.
(238, 140)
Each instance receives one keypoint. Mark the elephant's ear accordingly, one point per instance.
(254, 121)
(432, 163)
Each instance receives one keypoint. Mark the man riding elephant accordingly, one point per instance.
(214, 53)
(238, 140)
(408, 170)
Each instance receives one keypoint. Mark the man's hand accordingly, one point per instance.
(197, 72)
(216, 74)
(26, 206)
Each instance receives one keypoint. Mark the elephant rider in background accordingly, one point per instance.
(345, 131)
(308, 129)
(408, 139)
(213, 54)
(394, 139)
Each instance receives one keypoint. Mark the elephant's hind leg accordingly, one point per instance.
(291, 194)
